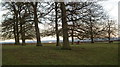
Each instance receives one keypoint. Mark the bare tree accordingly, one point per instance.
(64, 27)
(34, 5)
(56, 24)
(17, 23)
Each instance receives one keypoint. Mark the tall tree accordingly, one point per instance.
(18, 19)
(109, 30)
(21, 7)
(56, 24)
(16, 24)
(95, 15)
(12, 10)
(91, 28)
(34, 5)
(66, 45)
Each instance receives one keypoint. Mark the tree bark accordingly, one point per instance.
(36, 25)
(91, 33)
(73, 24)
(21, 21)
(73, 34)
(14, 28)
(91, 30)
(22, 32)
(66, 45)
(56, 26)
(17, 31)
(109, 32)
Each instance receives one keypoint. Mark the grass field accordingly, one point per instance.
(49, 54)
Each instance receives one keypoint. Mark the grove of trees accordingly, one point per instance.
(79, 20)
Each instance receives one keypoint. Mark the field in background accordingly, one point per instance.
(49, 54)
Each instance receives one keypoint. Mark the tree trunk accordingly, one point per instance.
(66, 45)
(14, 28)
(17, 31)
(72, 34)
(91, 30)
(23, 38)
(56, 26)
(36, 25)
(21, 21)
(22, 32)
(109, 38)
(91, 33)
(109, 33)
(73, 24)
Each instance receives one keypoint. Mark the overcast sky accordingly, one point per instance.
(111, 7)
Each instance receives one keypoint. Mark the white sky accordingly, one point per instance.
(110, 6)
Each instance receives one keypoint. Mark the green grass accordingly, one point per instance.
(84, 54)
